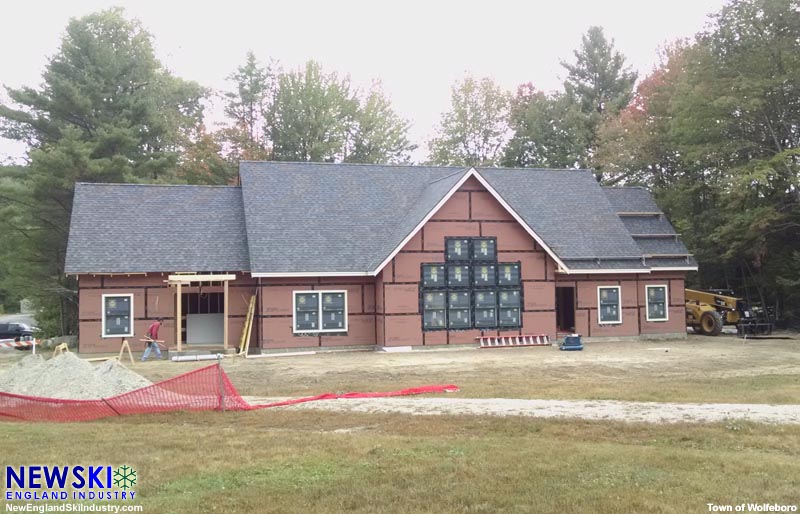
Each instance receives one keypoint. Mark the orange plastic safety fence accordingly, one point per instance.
(206, 388)
(203, 389)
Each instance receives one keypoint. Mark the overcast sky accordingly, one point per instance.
(417, 49)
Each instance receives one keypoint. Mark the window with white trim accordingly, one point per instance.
(608, 305)
(657, 309)
(319, 312)
(117, 315)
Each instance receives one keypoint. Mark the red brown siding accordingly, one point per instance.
(384, 310)
(634, 305)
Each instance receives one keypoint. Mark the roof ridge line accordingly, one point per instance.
(623, 258)
(337, 164)
(477, 168)
(448, 176)
(155, 185)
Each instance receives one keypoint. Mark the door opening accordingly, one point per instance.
(565, 309)
(204, 315)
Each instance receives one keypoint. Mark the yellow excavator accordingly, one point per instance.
(708, 311)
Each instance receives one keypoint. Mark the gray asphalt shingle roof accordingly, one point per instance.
(631, 199)
(645, 222)
(566, 208)
(309, 218)
(661, 246)
(127, 228)
(577, 265)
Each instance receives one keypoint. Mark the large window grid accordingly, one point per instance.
(471, 289)
(317, 312)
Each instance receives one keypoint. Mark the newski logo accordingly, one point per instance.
(69, 482)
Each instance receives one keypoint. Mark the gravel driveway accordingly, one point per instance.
(608, 410)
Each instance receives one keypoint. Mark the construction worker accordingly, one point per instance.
(152, 335)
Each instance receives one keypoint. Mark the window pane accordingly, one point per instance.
(433, 275)
(458, 300)
(509, 298)
(485, 318)
(609, 313)
(484, 249)
(656, 311)
(656, 294)
(433, 319)
(118, 305)
(485, 275)
(510, 318)
(458, 318)
(433, 300)
(609, 295)
(508, 274)
(457, 275)
(332, 320)
(485, 299)
(306, 312)
(306, 302)
(332, 301)
(456, 249)
(306, 320)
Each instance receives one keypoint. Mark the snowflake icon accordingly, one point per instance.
(125, 477)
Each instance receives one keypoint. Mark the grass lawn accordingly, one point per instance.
(306, 461)
(287, 461)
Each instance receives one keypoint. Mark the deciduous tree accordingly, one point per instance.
(475, 130)
(549, 131)
(311, 115)
(379, 134)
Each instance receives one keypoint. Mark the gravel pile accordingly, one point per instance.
(69, 377)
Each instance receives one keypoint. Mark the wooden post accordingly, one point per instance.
(225, 315)
(178, 320)
(122, 348)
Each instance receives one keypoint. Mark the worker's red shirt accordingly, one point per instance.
(152, 331)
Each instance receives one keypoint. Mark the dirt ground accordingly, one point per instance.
(699, 369)
(599, 410)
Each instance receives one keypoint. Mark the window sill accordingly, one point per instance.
(320, 333)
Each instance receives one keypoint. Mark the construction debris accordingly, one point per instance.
(67, 376)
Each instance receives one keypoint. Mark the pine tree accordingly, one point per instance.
(107, 111)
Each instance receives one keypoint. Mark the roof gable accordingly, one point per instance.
(316, 219)
(565, 211)
(570, 217)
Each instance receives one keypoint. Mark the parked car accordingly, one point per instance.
(15, 331)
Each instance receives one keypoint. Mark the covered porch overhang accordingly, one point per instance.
(179, 280)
